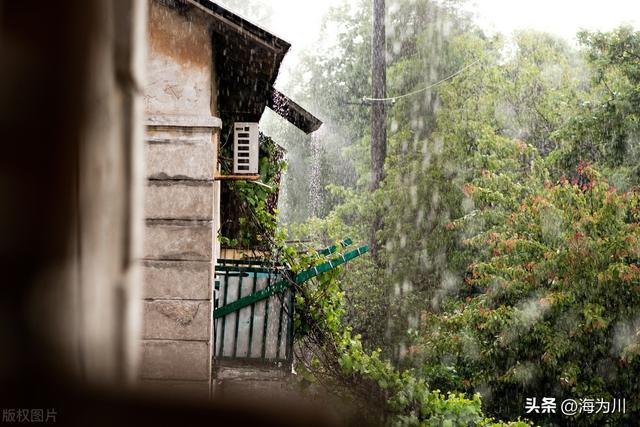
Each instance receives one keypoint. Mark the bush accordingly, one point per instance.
(558, 309)
(329, 354)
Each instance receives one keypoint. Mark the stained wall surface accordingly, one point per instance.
(180, 233)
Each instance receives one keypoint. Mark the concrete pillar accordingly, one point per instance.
(179, 256)
(180, 233)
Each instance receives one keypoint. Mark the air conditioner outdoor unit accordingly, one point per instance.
(245, 148)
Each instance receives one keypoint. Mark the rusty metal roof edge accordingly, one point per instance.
(293, 112)
(243, 23)
(243, 26)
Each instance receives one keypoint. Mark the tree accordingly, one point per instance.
(546, 307)
(557, 310)
(512, 260)
(421, 33)
(605, 129)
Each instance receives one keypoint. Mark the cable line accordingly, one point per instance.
(394, 98)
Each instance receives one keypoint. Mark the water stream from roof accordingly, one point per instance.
(315, 186)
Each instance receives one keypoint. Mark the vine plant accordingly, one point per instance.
(253, 204)
(327, 352)
(330, 355)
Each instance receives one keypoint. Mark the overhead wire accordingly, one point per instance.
(394, 98)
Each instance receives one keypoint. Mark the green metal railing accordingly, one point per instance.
(254, 307)
(261, 330)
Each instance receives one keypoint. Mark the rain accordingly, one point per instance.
(337, 213)
(514, 85)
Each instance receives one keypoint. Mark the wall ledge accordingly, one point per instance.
(191, 121)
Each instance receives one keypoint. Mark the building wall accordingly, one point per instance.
(181, 140)
(109, 182)
(71, 78)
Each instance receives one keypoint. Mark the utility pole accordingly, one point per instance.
(378, 114)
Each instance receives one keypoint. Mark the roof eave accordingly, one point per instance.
(224, 21)
(292, 112)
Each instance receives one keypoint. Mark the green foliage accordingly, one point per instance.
(557, 314)
(493, 123)
(335, 356)
(330, 81)
(420, 36)
(605, 128)
(252, 218)
(547, 305)
(508, 265)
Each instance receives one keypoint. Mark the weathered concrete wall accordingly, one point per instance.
(180, 151)
(180, 237)
(177, 279)
(181, 200)
(180, 66)
(270, 382)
